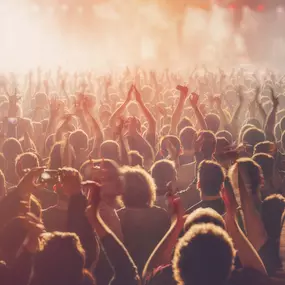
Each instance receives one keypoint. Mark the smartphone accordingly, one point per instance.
(49, 176)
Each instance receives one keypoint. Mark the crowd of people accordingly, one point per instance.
(142, 177)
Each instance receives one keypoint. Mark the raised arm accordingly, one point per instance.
(271, 118)
(259, 105)
(246, 252)
(117, 114)
(149, 117)
(179, 109)
(193, 100)
(162, 254)
(125, 271)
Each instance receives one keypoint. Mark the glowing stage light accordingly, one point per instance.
(64, 8)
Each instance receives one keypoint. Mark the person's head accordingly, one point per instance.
(187, 137)
(222, 145)
(209, 142)
(60, 261)
(266, 162)
(254, 172)
(210, 178)
(136, 159)
(204, 255)
(163, 172)
(24, 161)
(112, 179)
(213, 122)
(242, 131)
(133, 109)
(139, 188)
(173, 140)
(184, 123)
(11, 148)
(79, 140)
(225, 134)
(265, 147)
(204, 216)
(41, 100)
(2, 185)
(253, 136)
(272, 209)
(254, 122)
(110, 150)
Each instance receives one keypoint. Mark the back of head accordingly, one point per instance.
(213, 122)
(184, 123)
(136, 159)
(265, 147)
(272, 209)
(26, 160)
(79, 140)
(61, 260)
(210, 178)
(209, 143)
(41, 99)
(203, 256)
(163, 172)
(253, 136)
(254, 122)
(187, 137)
(139, 188)
(242, 131)
(204, 216)
(266, 162)
(222, 145)
(173, 140)
(110, 150)
(11, 148)
(225, 134)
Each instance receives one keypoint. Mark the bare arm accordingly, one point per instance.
(194, 103)
(178, 110)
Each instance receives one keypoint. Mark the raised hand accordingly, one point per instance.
(137, 95)
(183, 91)
(130, 92)
(193, 99)
(218, 100)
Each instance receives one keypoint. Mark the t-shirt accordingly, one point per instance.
(217, 205)
(185, 175)
(143, 228)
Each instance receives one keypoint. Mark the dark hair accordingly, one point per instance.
(272, 209)
(242, 131)
(26, 160)
(209, 143)
(213, 122)
(55, 156)
(163, 171)
(184, 123)
(210, 177)
(139, 188)
(254, 122)
(11, 148)
(266, 162)
(61, 260)
(222, 145)
(204, 255)
(136, 159)
(204, 216)
(264, 147)
(225, 134)
(110, 150)
(253, 136)
(79, 140)
(187, 137)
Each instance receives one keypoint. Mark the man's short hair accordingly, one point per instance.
(204, 216)
(272, 209)
(213, 122)
(79, 140)
(110, 150)
(253, 136)
(184, 123)
(210, 177)
(163, 171)
(265, 147)
(136, 159)
(225, 134)
(175, 141)
(187, 137)
(26, 160)
(209, 143)
(139, 189)
(266, 162)
(204, 255)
